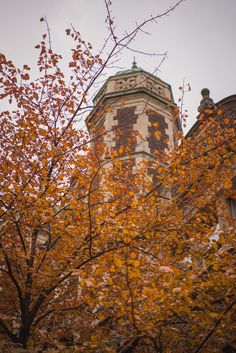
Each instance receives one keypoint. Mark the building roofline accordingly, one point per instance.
(220, 103)
(132, 71)
(120, 73)
(226, 100)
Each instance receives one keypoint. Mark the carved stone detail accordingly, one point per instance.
(125, 83)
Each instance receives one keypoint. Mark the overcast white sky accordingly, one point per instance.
(200, 37)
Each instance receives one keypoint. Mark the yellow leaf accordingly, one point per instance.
(216, 267)
(135, 263)
(118, 262)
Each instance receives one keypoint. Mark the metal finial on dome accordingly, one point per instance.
(134, 64)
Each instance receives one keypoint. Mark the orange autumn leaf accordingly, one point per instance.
(228, 184)
(25, 76)
(158, 134)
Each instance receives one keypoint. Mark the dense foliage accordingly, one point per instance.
(94, 257)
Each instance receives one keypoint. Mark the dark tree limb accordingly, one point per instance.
(199, 348)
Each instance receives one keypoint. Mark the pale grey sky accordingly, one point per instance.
(199, 37)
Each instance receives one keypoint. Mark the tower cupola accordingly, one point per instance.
(135, 100)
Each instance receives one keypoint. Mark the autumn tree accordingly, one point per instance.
(97, 255)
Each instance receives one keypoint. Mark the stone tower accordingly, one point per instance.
(135, 100)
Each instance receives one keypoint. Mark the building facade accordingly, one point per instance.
(135, 102)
